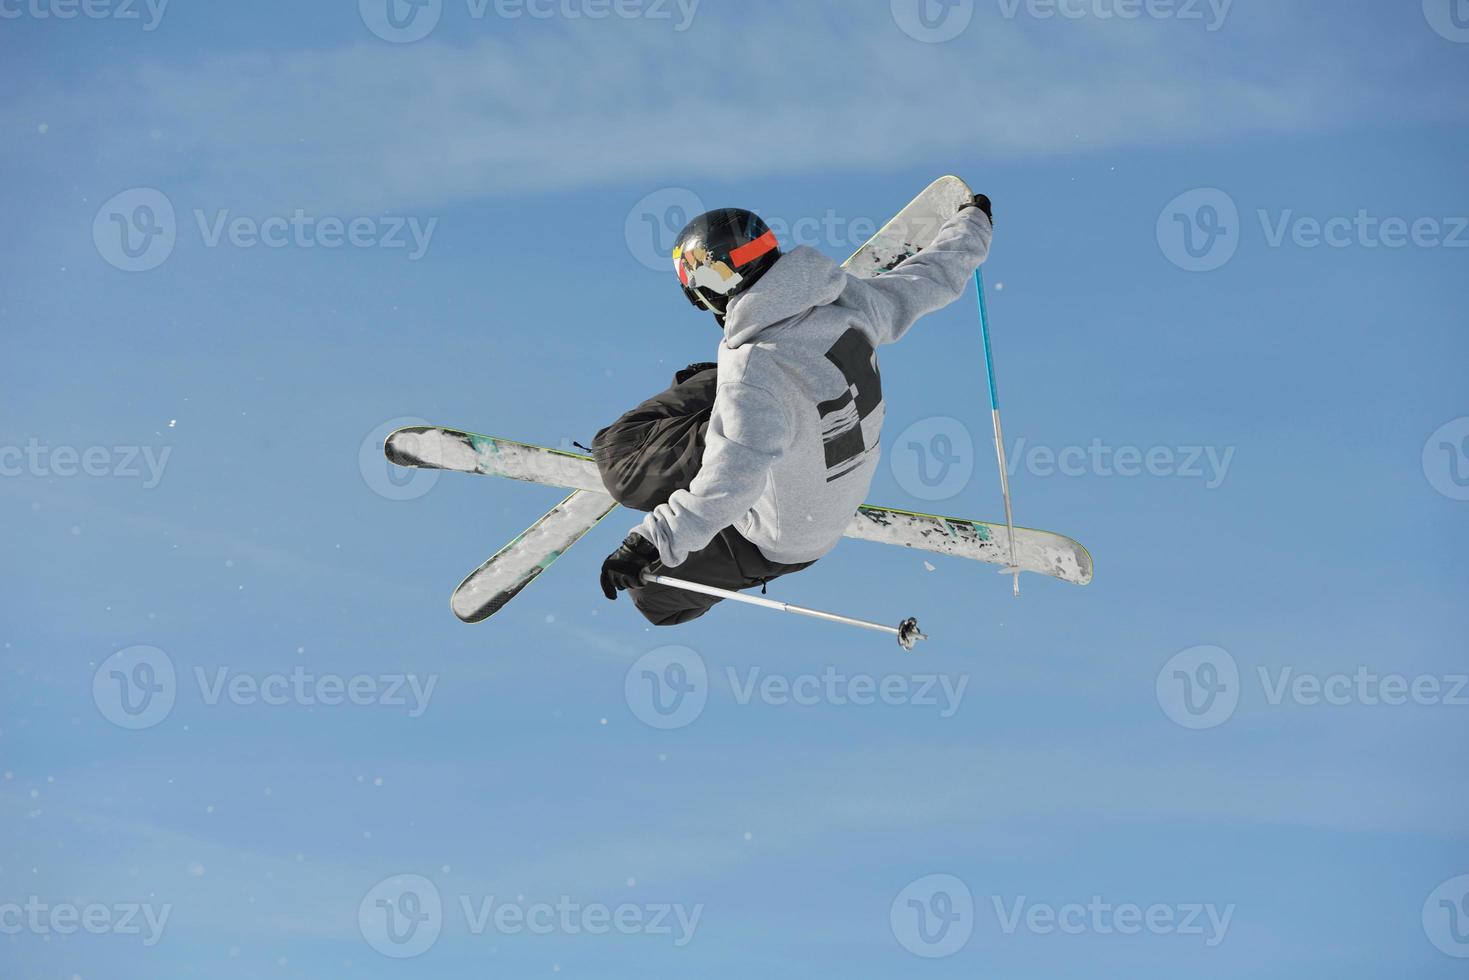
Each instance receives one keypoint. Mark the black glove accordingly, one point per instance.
(982, 202)
(623, 569)
(692, 370)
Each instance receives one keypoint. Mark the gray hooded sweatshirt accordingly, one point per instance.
(792, 443)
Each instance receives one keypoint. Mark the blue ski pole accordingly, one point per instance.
(989, 372)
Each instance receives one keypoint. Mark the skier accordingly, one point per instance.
(752, 467)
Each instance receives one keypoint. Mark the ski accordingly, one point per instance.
(1041, 552)
(516, 565)
(911, 229)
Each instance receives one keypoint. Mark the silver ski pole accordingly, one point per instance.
(989, 371)
(907, 631)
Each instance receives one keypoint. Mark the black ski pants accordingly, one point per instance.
(644, 457)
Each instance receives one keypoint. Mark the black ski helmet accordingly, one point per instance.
(722, 253)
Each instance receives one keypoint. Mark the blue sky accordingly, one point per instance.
(189, 466)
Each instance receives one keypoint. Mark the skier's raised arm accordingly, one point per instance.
(933, 278)
(748, 432)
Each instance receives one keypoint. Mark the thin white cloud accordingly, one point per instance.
(490, 108)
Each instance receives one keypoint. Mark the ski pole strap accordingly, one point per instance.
(984, 332)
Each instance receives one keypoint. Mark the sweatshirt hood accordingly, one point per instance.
(801, 280)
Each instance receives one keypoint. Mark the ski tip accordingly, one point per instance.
(476, 612)
(400, 446)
